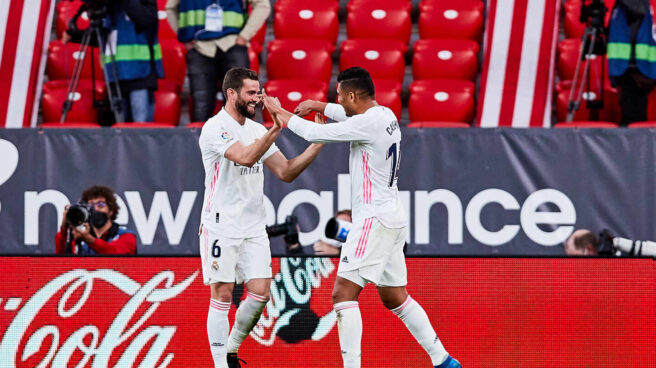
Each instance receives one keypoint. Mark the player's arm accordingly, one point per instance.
(353, 129)
(248, 155)
(333, 111)
(287, 170)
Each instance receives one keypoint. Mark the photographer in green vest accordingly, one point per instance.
(632, 56)
(216, 34)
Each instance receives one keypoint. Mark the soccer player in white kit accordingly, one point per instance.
(234, 246)
(373, 251)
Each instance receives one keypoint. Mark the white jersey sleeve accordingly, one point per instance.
(354, 129)
(217, 140)
(335, 112)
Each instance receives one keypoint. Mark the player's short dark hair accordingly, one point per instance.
(234, 79)
(357, 80)
(100, 191)
(588, 237)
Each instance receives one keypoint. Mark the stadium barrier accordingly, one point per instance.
(466, 191)
(489, 312)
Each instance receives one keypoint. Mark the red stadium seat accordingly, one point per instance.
(568, 55)
(437, 124)
(643, 124)
(379, 20)
(292, 92)
(257, 41)
(84, 84)
(165, 32)
(62, 58)
(462, 19)
(445, 59)
(610, 111)
(587, 124)
(167, 108)
(382, 58)
(174, 60)
(572, 24)
(168, 85)
(441, 100)
(388, 94)
(129, 125)
(82, 109)
(307, 20)
(70, 125)
(651, 106)
(65, 11)
(254, 59)
(197, 124)
(299, 59)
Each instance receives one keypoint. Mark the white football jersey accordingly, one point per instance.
(233, 205)
(373, 162)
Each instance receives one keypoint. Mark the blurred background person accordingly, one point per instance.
(582, 242)
(216, 35)
(99, 234)
(130, 28)
(632, 56)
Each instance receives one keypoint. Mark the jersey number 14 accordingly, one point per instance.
(394, 152)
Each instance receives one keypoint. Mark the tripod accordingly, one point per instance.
(115, 102)
(593, 45)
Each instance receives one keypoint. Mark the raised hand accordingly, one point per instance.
(319, 118)
(305, 107)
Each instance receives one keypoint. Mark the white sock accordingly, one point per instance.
(416, 320)
(217, 331)
(349, 327)
(247, 315)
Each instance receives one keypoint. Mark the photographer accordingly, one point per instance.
(130, 28)
(327, 246)
(99, 234)
(582, 242)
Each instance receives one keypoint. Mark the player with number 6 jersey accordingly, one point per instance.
(373, 252)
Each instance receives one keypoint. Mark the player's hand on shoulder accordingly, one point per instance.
(304, 108)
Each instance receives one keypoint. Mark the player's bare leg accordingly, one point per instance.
(349, 320)
(415, 319)
(217, 321)
(247, 315)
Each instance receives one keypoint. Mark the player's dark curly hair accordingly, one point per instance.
(357, 80)
(100, 191)
(234, 79)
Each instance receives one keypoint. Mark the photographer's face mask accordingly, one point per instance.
(98, 219)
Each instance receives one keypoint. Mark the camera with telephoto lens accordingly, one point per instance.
(289, 230)
(337, 229)
(614, 245)
(78, 214)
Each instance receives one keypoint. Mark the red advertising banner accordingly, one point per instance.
(501, 312)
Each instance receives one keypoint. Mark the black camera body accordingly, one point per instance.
(78, 214)
(289, 230)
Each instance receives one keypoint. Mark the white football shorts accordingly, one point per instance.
(374, 253)
(234, 260)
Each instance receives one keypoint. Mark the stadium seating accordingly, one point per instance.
(379, 20)
(441, 100)
(568, 55)
(462, 19)
(651, 106)
(167, 108)
(165, 32)
(388, 94)
(84, 84)
(587, 124)
(643, 124)
(257, 41)
(142, 125)
(292, 92)
(610, 111)
(572, 24)
(382, 58)
(254, 59)
(62, 57)
(65, 11)
(299, 59)
(437, 124)
(197, 124)
(70, 125)
(445, 59)
(307, 20)
(82, 109)
(174, 60)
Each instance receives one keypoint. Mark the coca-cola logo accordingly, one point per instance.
(288, 313)
(89, 345)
